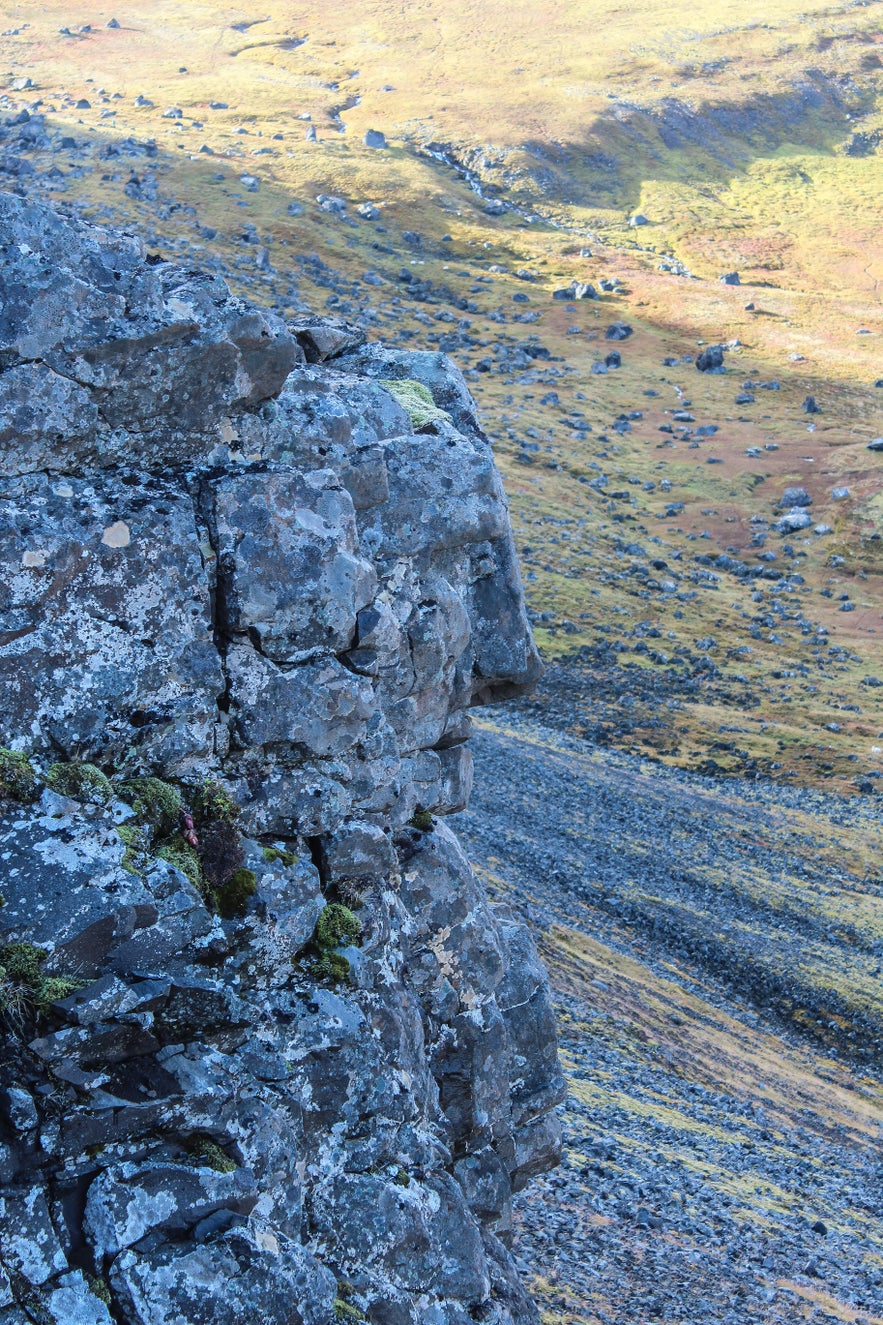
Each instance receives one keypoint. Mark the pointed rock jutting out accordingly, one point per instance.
(298, 1062)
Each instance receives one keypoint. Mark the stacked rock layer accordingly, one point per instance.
(268, 1052)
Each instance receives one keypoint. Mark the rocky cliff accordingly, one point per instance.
(268, 1052)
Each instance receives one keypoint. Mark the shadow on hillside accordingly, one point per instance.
(671, 142)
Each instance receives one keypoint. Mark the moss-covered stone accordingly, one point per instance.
(346, 1311)
(184, 858)
(333, 966)
(154, 801)
(336, 925)
(136, 845)
(416, 399)
(206, 1153)
(81, 782)
(232, 899)
(18, 781)
(286, 858)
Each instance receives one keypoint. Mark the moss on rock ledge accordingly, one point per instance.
(18, 781)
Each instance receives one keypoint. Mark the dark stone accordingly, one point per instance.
(711, 359)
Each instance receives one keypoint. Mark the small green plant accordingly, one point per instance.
(98, 1287)
(402, 1178)
(206, 1153)
(416, 399)
(212, 802)
(155, 802)
(81, 782)
(336, 925)
(423, 821)
(24, 987)
(18, 781)
(232, 899)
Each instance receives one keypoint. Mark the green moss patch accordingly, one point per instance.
(203, 1152)
(18, 781)
(232, 899)
(154, 801)
(416, 399)
(286, 858)
(24, 987)
(184, 858)
(336, 926)
(81, 782)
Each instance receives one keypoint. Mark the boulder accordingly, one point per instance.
(711, 359)
(267, 1027)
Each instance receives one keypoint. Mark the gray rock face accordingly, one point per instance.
(296, 1059)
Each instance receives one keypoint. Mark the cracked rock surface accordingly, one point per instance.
(268, 1051)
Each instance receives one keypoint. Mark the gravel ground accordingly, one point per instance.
(715, 954)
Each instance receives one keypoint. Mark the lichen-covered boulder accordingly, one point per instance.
(268, 1052)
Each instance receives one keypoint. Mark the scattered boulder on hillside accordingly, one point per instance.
(810, 406)
(618, 331)
(328, 203)
(638, 218)
(494, 207)
(744, 398)
(141, 188)
(730, 278)
(576, 289)
(310, 133)
(711, 359)
(795, 497)
(374, 138)
(793, 521)
(839, 494)
(613, 359)
(112, 23)
(368, 211)
(876, 444)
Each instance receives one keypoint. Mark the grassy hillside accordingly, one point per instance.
(750, 142)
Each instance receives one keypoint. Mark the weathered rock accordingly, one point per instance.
(711, 359)
(268, 1037)
(795, 497)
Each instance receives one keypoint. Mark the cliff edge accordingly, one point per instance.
(268, 1051)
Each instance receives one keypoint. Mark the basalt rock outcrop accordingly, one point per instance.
(268, 1052)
